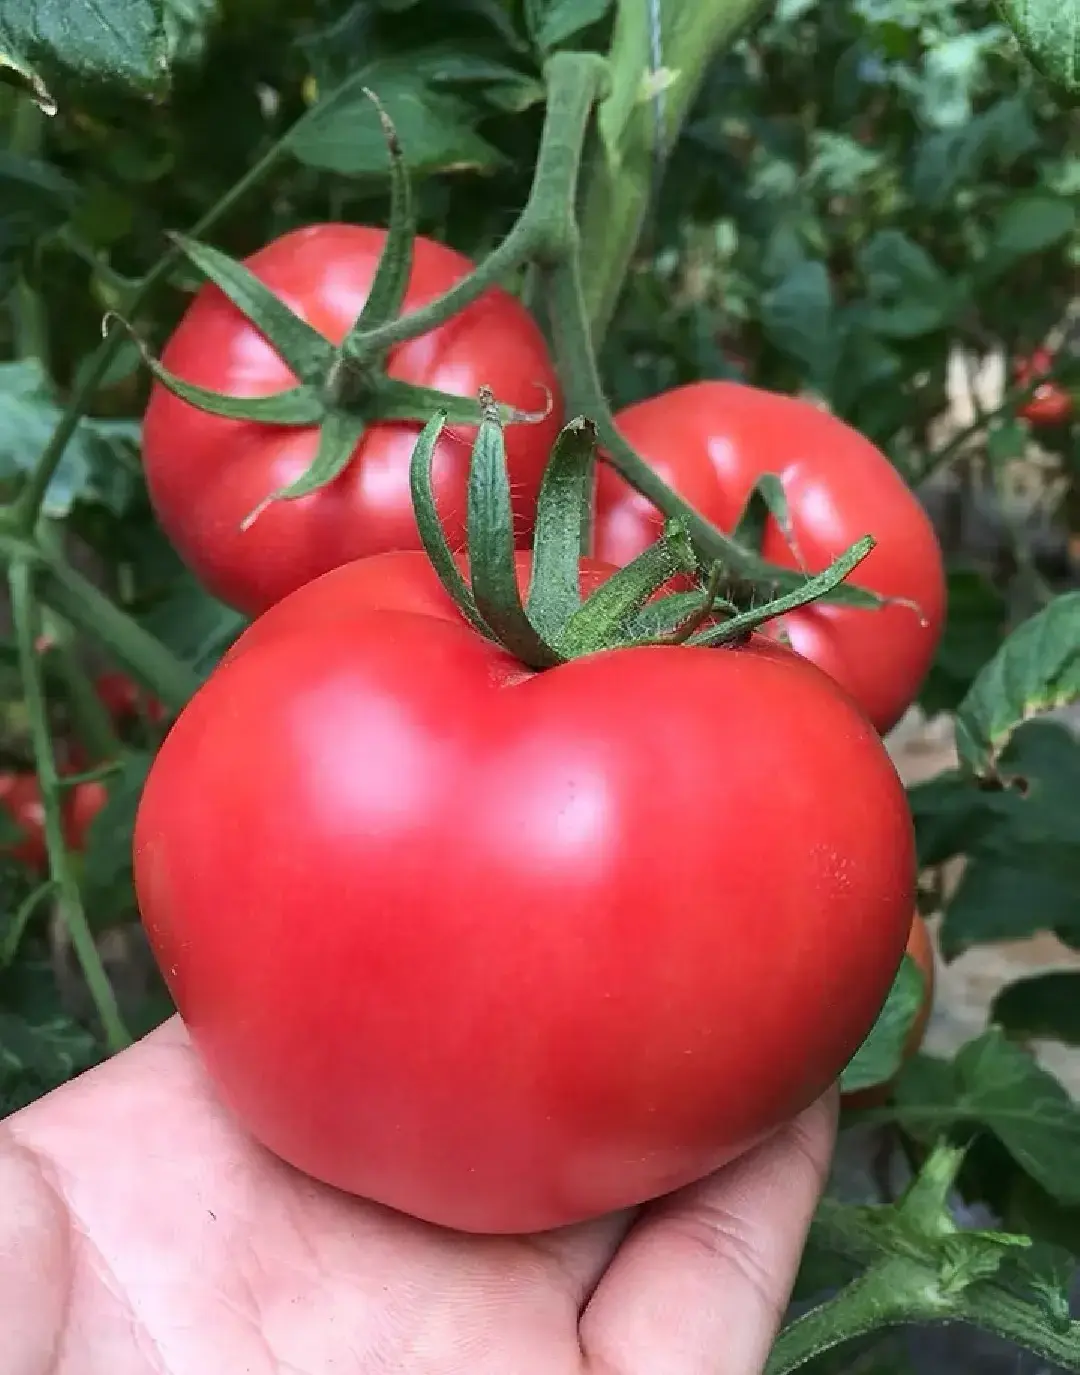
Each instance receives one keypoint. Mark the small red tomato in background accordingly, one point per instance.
(1050, 404)
(520, 948)
(124, 700)
(711, 441)
(206, 473)
(20, 799)
(81, 806)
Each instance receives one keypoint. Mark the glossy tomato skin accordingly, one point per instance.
(1050, 404)
(516, 950)
(712, 440)
(206, 473)
(20, 797)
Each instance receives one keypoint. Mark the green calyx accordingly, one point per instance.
(342, 389)
(553, 622)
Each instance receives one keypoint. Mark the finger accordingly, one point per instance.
(701, 1282)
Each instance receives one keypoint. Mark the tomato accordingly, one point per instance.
(205, 473)
(81, 806)
(1050, 404)
(921, 949)
(711, 441)
(504, 950)
(124, 700)
(20, 798)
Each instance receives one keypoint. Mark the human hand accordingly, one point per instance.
(142, 1232)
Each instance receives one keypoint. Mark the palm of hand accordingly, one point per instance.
(147, 1235)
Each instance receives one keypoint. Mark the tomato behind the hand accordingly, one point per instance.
(206, 473)
(711, 441)
(20, 798)
(921, 949)
(1050, 404)
(505, 950)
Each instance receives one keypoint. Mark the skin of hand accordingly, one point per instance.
(143, 1233)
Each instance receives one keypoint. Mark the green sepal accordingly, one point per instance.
(297, 406)
(432, 535)
(602, 621)
(491, 546)
(306, 351)
(767, 498)
(655, 620)
(566, 491)
(338, 438)
(388, 398)
(394, 268)
(738, 627)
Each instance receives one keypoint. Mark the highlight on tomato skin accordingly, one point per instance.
(516, 949)
(1050, 404)
(711, 441)
(206, 474)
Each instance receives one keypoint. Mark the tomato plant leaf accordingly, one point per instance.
(342, 132)
(34, 198)
(100, 464)
(41, 1045)
(551, 23)
(1041, 1007)
(562, 508)
(1036, 670)
(911, 295)
(977, 613)
(999, 1087)
(45, 43)
(798, 316)
(879, 1057)
(308, 353)
(1049, 35)
(107, 881)
(1027, 225)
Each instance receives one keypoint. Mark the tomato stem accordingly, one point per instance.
(23, 605)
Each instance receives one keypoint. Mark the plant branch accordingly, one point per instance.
(20, 579)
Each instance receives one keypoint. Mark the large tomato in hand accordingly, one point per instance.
(507, 950)
(711, 441)
(20, 799)
(205, 473)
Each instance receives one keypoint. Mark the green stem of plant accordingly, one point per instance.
(864, 1306)
(69, 900)
(92, 722)
(621, 173)
(545, 230)
(28, 311)
(1008, 1317)
(27, 507)
(69, 594)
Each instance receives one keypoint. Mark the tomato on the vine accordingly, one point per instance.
(81, 806)
(20, 799)
(124, 700)
(921, 949)
(1050, 404)
(206, 473)
(506, 949)
(711, 441)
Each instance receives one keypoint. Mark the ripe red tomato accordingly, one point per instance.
(20, 798)
(1050, 404)
(506, 950)
(205, 473)
(711, 441)
(124, 700)
(921, 949)
(81, 806)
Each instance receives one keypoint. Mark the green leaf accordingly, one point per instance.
(999, 1087)
(995, 139)
(798, 317)
(187, 24)
(1028, 225)
(1042, 1007)
(193, 624)
(1036, 670)
(41, 1045)
(47, 43)
(552, 23)
(34, 199)
(342, 133)
(973, 629)
(1048, 31)
(107, 881)
(100, 465)
(880, 1056)
(911, 295)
